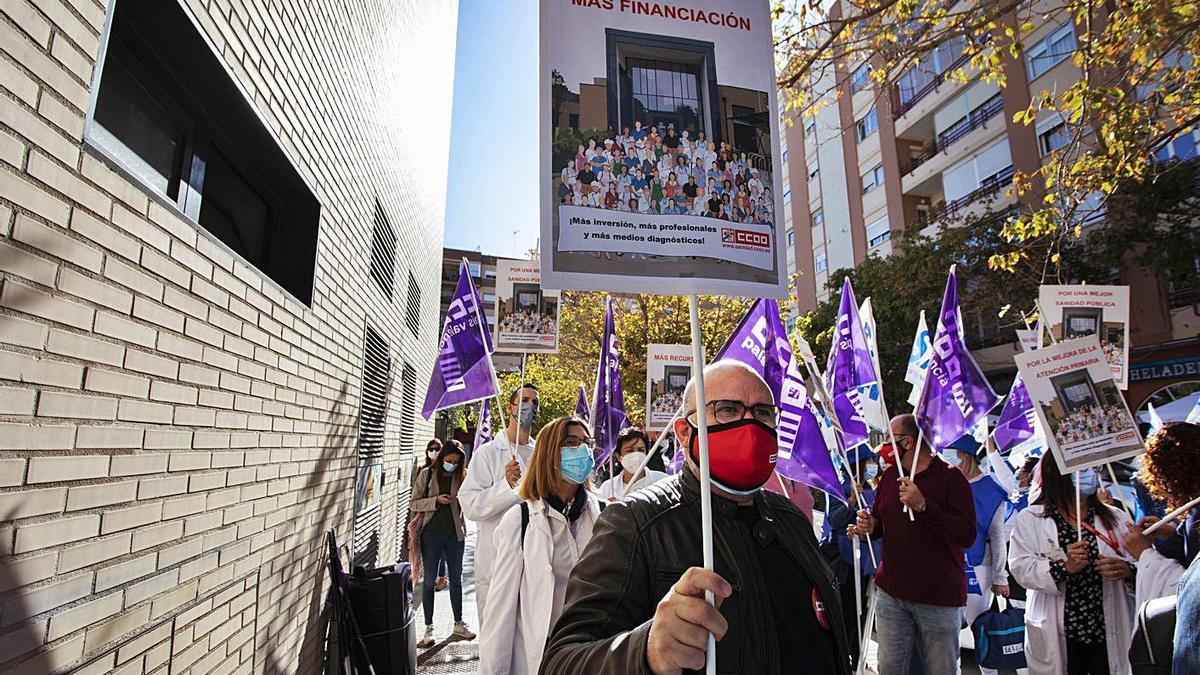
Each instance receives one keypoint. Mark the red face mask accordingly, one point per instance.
(741, 454)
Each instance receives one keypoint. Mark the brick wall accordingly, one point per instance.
(176, 432)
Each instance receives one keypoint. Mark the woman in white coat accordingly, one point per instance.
(1171, 473)
(537, 543)
(631, 453)
(1079, 607)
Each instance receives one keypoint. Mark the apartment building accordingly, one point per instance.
(924, 150)
(220, 224)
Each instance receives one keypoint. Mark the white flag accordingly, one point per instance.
(918, 360)
(869, 394)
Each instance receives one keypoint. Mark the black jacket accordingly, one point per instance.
(640, 548)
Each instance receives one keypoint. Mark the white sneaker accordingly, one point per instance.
(461, 631)
(428, 640)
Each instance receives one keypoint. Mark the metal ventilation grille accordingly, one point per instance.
(412, 316)
(372, 415)
(383, 252)
(376, 382)
(408, 408)
(408, 413)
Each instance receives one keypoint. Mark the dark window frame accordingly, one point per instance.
(193, 83)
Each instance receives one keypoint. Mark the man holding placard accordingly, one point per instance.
(635, 601)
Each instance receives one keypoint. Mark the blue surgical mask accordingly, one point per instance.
(449, 467)
(871, 472)
(951, 457)
(577, 464)
(1088, 482)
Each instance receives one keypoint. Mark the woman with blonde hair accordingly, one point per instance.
(537, 544)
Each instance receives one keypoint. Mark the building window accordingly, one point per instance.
(573, 121)
(489, 299)
(473, 269)
(868, 125)
(787, 195)
(412, 313)
(785, 156)
(810, 130)
(167, 114)
(1050, 50)
(666, 92)
(917, 81)
(818, 218)
(489, 275)
(878, 232)
(819, 263)
(791, 235)
(872, 179)
(860, 78)
(383, 251)
(813, 169)
(1054, 138)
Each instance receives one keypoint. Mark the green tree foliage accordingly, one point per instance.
(640, 320)
(1138, 88)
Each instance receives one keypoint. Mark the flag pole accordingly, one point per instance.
(819, 388)
(483, 337)
(710, 665)
(654, 450)
(872, 594)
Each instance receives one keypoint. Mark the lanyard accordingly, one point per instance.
(1111, 539)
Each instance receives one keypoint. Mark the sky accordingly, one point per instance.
(492, 186)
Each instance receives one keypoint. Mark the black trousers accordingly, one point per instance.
(1085, 659)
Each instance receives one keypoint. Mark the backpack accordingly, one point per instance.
(1000, 637)
(1150, 652)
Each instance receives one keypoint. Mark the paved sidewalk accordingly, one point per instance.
(451, 656)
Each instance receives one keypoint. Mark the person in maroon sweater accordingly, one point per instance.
(922, 579)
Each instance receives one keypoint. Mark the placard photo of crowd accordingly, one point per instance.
(1085, 409)
(662, 170)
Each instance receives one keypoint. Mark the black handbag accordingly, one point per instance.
(1154, 638)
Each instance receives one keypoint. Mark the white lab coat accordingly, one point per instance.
(1157, 576)
(529, 584)
(615, 487)
(484, 497)
(1034, 540)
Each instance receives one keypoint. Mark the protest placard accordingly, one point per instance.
(1078, 404)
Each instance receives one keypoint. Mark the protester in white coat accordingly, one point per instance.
(1171, 473)
(536, 545)
(632, 443)
(1079, 609)
(490, 487)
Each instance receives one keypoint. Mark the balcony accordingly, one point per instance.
(976, 119)
(959, 208)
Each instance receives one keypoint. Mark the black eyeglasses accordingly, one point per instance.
(725, 412)
(573, 441)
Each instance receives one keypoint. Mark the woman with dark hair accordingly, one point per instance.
(537, 544)
(632, 444)
(1079, 609)
(432, 448)
(444, 532)
(1171, 472)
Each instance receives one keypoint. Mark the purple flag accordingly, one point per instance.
(1018, 421)
(463, 371)
(581, 405)
(956, 395)
(851, 369)
(483, 427)
(609, 415)
(761, 342)
(676, 462)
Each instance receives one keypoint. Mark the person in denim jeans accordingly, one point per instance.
(443, 535)
(922, 581)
